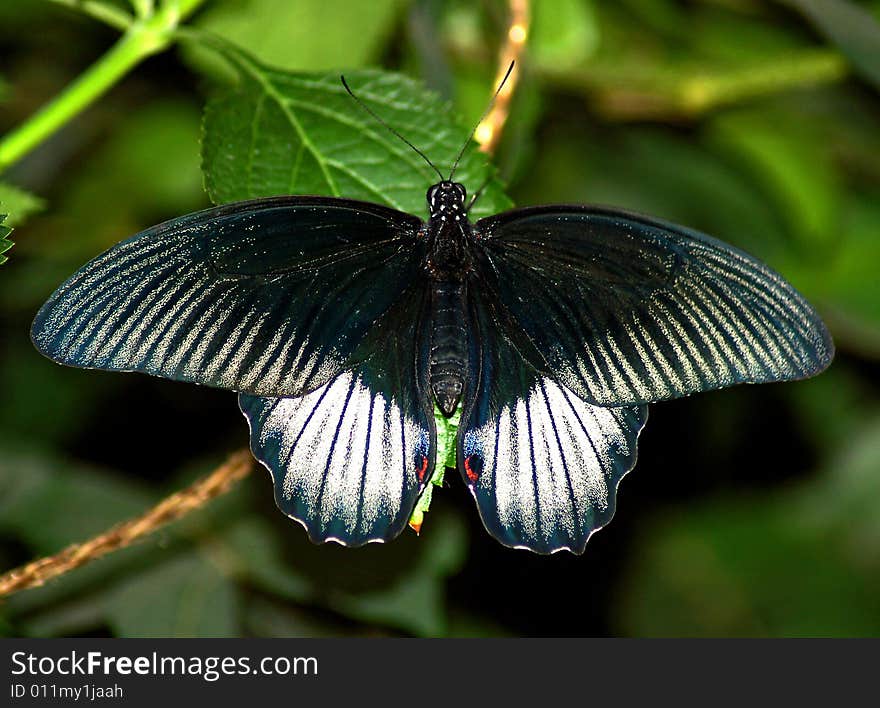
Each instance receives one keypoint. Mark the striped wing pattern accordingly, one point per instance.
(348, 462)
(542, 464)
(625, 310)
(268, 297)
(315, 310)
(350, 459)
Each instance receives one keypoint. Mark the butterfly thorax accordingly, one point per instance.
(448, 232)
(448, 260)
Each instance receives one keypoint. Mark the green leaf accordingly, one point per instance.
(845, 499)
(401, 586)
(50, 505)
(5, 243)
(186, 596)
(47, 504)
(416, 601)
(684, 60)
(850, 278)
(791, 161)
(18, 203)
(176, 582)
(831, 406)
(17, 16)
(189, 578)
(854, 30)
(283, 133)
(150, 162)
(802, 561)
(79, 616)
(306, 35)
(656, 171)
(265, 618)
(255, 553)
(447, 432)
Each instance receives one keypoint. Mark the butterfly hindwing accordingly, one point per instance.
(267, 297)
(625, 309)
(350, 459)
(542, 464)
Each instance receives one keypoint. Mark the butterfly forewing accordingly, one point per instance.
(267, 297)
(542, 464)
(350, 459)
(623, 309)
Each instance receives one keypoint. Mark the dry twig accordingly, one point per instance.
(37, 572)
(489, 130)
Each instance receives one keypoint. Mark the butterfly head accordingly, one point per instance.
(446, 201)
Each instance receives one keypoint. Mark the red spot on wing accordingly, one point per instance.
(469, 471)
(420, 473)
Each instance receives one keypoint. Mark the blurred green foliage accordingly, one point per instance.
(307, 35)
(19, 203)
(751, 512)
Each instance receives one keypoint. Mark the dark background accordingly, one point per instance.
(752, 511)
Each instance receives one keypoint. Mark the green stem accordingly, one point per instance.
(108, 14)
(658, 91)
(142, 39)
(808, 68)
(143, 7)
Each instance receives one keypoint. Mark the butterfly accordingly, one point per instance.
(343, 324)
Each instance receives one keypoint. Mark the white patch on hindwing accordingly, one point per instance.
(547, 460)
(345, 453)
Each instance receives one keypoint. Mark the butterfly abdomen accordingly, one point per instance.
(448, 344)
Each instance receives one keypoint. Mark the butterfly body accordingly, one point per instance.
(449, 236)
(448, 233)
(449, 344)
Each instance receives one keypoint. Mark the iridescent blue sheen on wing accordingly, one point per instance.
(624, 309)
(542, 464)
(350, 459)
(267, 297)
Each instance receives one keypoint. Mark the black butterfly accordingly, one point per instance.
(341, 323)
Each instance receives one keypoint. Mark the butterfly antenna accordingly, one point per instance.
(479, 192)
(387, 127)
(482, 118)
